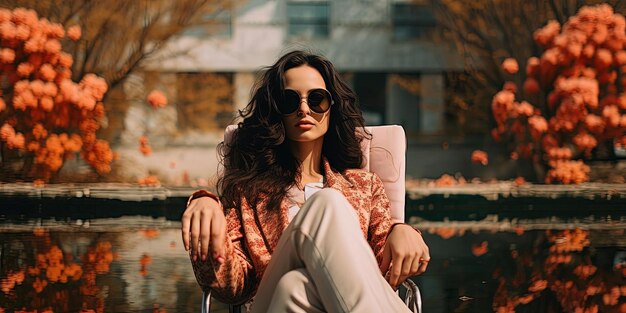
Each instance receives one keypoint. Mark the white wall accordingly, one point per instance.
(361, 39)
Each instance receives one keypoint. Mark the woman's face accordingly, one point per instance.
(305, 125)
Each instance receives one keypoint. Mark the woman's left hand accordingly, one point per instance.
(405, 254)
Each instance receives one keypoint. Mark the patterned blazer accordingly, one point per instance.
(253, 233)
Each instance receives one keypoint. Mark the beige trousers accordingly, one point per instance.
(322, 263)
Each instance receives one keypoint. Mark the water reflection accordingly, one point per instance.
(490, 270)
(87, 271)
(483, 269)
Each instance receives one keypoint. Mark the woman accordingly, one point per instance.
(298, 225)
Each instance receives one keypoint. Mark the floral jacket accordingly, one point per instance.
(253, 233)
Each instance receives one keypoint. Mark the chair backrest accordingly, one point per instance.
(384, 155)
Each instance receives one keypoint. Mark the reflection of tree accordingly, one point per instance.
(144, 262)
(50, 281)
(525, 270)
(111, 262)
(487, 32)
(566, 274)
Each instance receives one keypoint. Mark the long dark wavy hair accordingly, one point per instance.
(258, 162)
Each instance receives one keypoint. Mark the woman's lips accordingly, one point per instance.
(304, 125)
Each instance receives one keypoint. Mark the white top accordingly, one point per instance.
(297, 197)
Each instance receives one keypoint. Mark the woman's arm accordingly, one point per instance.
(401, 250)
(219, 260)
(380, 218)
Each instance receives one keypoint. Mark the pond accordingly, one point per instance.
(137, 264)
(537, 267)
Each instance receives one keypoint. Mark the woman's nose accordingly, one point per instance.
(304, 109)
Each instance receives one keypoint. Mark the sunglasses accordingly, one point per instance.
(319, 101)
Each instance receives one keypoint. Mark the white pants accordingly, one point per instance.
(322, 263)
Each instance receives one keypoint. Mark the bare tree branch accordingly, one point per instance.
(555, 10)
(119, 35)
(490, 31)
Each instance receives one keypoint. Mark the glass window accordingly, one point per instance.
(217, 23)
(412, 20)
(205, 100)
(371, 94)
(308, 19)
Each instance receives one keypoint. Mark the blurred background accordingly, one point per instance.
(515, 114)
(177, 72)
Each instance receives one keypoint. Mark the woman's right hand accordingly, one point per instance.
(204, 227)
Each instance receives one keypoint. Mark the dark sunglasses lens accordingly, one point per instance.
(290, 103)
(318, 100)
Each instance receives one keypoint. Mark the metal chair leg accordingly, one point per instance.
(234, 308)
(206, 304)
(413, 298)
(206, 301)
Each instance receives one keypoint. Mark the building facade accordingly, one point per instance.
(384, 49)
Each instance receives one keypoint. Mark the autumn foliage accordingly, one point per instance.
(157, 99)
(55, 281)
(572, 99)
(144, 146)
(480, 157)
(45, 117)
(567, 273)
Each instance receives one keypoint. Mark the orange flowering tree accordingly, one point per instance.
(51, 105)
(485, 32)
(572, 103)
(118, 36)
(45, 117)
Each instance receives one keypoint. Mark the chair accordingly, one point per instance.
(385, 156)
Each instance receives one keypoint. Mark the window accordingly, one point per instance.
(412, 21)
(371, 92)
(405, 101)
(204, 100)
(308, 19)
(218, 23)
